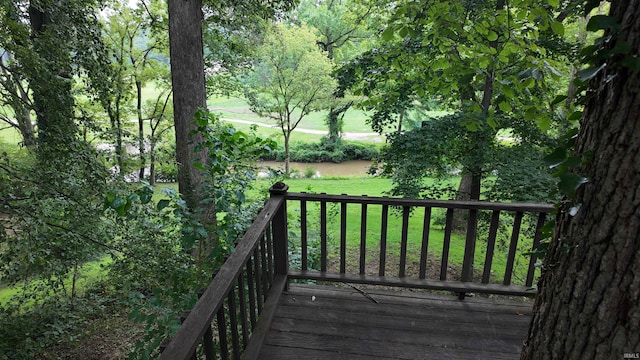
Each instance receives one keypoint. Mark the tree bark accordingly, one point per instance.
(51, 88)
(588, 303)
(189, 93)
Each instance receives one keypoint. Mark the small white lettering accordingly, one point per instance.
(631, 356)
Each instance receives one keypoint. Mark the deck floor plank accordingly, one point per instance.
(323, 322)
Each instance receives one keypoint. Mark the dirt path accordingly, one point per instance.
(367, 136)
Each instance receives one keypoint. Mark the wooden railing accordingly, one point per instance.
(233, 315)
(373, 253)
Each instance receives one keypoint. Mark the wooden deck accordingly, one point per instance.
(244, 314)
(326, 322)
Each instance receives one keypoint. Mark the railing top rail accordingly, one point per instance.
(446, 204)
(193, 328)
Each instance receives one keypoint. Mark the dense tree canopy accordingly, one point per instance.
(486, 61)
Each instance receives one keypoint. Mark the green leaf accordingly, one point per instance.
(554, 3)
(558, 99)
(122, 210)
(240, 196)
(602, 22)
(162, 204)
(556, 157)
(387, 34)
(118, 202)
(557, 28)
(543, 122)
(199, 166)
(145, 197)
(505, 106)
(587, 74)
(572, 162)
(492, 36)
(570, 182)
(576, 115)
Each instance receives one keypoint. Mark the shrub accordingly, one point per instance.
(325, 152)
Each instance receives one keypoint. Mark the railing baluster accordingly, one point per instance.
(513, 246)
(426, 228)
(383, 239)
(536, 241)
(252, 295)
(343, 237)
(265, 269)
(269, 241)
(491, 244)
(469, 249)
(363, 238)
(470, 246)
(243, 310)
(323, 236)
(404, 240)
(445, 245)
(258, 272)
(303, 235)
(209, 346)
(222, 333)
(207, 338)
(233, 319)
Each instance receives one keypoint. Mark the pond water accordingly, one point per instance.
(346, 168)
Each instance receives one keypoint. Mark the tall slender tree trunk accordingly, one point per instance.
(189, 93)
(140, 130)
(287, 153)
(588, 303)
(152, 162)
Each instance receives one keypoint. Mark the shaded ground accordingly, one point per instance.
(109, 338)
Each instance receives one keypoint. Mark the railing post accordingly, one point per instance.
(280, 230)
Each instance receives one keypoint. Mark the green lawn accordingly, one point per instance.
(236, 108)
(89, 274)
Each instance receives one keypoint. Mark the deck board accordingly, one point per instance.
(323, 322)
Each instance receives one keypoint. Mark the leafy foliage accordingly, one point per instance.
(443, 146)
(486, 61)
(290, 79)
(325, 151)
(166, 252)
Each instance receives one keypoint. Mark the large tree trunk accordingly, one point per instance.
(56, 128)
(189, 94)
(588, 304)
